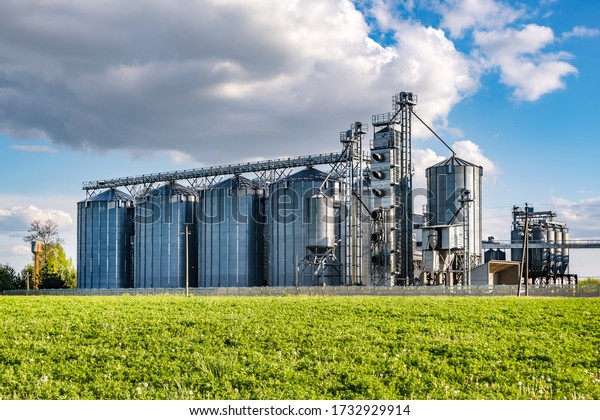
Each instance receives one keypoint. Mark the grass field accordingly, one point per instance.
(162, 347)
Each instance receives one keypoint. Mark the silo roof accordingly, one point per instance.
(112, 195)
(454, 161)
(174, 188)
(308, 174)
(235, 183)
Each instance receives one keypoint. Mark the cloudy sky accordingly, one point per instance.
(102, 89)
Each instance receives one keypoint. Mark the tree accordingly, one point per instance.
(9, 279)
(46, 232)
(56, 270)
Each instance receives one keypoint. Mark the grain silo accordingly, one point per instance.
(452, 235)
(446, 181)
(303, 229)
(103, 243)
(230, 224)
(160, 222)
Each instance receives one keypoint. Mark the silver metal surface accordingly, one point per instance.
(159, 226)
(321, 235)
(445, 183)
(570, 244)
(565, 250)
(289, 224)
(230, 226)
(558, 261)
(267, 165)
(103, 241)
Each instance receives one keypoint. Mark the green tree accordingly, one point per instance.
(9, 279)
(56, 270)
(47, 233)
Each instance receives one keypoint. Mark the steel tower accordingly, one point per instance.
(391, 164)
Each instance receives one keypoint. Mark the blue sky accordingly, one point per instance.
(102, 90)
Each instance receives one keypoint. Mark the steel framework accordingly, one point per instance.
(347, 166)
(400, 207)
(267, 171)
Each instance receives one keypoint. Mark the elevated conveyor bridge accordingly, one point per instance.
(572, 243)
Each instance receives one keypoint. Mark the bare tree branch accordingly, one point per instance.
(46, 232)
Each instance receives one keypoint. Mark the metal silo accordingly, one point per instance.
(103, 243)
(302, 227)
(565, 250)
(551, 240)
(537, 261)
(446, 181)
(516, 236)
(231, 234)
(320, 236)
(558, 259)
(160, 222)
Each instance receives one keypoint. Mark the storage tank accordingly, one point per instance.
(516, 236)
(160, 224)
(537, 261)
(321, 234)
(558, 238)
(231, 245)
(445, 183)
(565, 250)
(104, 224)
(494, 254)
(551, 241)
(299, 224)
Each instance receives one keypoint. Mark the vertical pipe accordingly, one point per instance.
(187, 262)
(526, 250)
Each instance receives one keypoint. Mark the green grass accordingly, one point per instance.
(589, 281)
(164, 347)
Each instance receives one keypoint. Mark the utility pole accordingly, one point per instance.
(525, 254)
(187, 261)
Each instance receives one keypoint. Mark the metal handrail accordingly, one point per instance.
(232, 169)
(571, 243)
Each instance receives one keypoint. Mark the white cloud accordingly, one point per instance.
(471, 152)
(581, 32)
(423, 159)
(423, 60)
(270, 76)
(582, 216)
(18, 219)
(502, 42)
(181, 159)
(583, 220)
(462, 15)
(33, 148)
(22, 250)
(522, 64)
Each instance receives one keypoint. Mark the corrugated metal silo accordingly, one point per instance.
(160, 241)
(103, 243)
(565, 251)
(558, 258)
(293, 231)
(445, 183)
(537, 261)
(231, 234)
(551, 237)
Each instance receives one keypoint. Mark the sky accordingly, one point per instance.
(105, 89)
